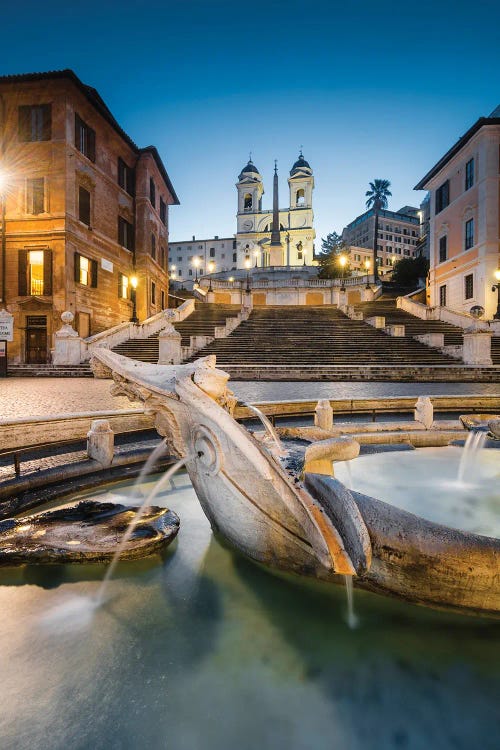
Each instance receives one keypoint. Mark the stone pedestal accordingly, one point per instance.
(323, 415)
(477, 347)
(100, 442)
(247, 300)
(211, 297)
(396, 329)
(67, 349)
(169, 350)
(275, 255)
(377, 321)
(367, 295)
(424, 411)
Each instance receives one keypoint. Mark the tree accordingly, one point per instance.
(331, 249)
(408, 271)
(377, 199)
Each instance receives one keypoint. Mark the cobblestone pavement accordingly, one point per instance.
(30, 397)
(35, 397)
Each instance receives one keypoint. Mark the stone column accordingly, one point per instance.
(67, 350)
(169, 346)
(323, 415)
(100, 442)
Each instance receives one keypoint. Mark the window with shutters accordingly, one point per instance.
(163, 211)
(153, 293)
(469, 174)
(84, 205)
(153, 247)
(152, 192)
(35, 122)
(469, 286)
(85, 271)
(443, 196)
(442, 295)
(123, 286)
(443, 248)
(469, 234)
(84, 138)
(126, 177)
(34, 272)
(35, 196)
(126, 235)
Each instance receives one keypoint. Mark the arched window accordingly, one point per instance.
(247, 202)
(300, 198)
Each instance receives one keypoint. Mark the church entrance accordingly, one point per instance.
(36, 339)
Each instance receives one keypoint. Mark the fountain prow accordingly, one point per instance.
(270, 505)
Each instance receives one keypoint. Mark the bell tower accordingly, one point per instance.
(250, 191)
(301, 184)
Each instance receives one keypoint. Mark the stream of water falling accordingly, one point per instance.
(475, 441)
(267, 424)
(352, 619)
(148, 499)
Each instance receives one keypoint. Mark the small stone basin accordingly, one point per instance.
(84, 533)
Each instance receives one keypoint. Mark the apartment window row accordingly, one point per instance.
(443, 192)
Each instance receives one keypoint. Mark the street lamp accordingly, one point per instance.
(367, 266)
(248, 264)
(497, 287)
(211, 269)
(196, 264)
(342, 261)
(133, 297)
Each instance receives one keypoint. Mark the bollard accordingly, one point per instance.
(100, 442)
(323, 415)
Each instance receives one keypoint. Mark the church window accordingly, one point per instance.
(247, 202)
(300, 197)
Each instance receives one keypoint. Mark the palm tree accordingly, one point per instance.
(377, 199)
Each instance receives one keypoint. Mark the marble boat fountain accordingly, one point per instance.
(279, 504)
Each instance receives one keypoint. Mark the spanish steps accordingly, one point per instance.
(304, 335)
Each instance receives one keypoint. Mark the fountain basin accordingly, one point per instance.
(88, 532)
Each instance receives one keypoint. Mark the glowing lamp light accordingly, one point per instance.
(211, 266)
(231, 279)
(248, 263)
(367, 264)
(342, 260)
(497, 274)
(133, 282)
(196, 262)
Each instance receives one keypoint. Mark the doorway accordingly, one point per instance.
(36, 339)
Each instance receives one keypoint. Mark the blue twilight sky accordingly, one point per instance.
(369, 89)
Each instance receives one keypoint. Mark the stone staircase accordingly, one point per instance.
(202, 322)
(302, 336)
(50, 371)
(453, 335)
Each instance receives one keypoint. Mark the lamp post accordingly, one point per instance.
(248, 263)
(211, 269)
(367, 266)
(133, 297)
(497, 287)
(196, 264)
(342, 261)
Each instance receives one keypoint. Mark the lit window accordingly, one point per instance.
(123, 286)
(84, 271)
(35, 266)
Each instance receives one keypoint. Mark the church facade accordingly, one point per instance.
(252, 242)
(296, 222)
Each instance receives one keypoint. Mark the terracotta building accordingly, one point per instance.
(85, 213)
(464, 236)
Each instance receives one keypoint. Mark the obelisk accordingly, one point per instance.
(275, 247)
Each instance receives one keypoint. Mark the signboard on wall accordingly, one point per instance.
(6, 326)
(106, 265)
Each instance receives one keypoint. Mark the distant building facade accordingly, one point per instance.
(398, 235)
(464, 233)
(253, 230)
(85, 211)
